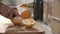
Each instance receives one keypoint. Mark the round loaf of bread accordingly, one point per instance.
(26, 14)
(28, 23)
(17, 21)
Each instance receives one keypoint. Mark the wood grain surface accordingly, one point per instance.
(22, 30)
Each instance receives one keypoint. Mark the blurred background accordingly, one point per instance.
(51, 11)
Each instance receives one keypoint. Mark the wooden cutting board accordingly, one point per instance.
(22, 30)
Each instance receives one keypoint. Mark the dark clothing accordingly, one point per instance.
(7, 11)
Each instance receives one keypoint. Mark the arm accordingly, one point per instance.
(7, 11)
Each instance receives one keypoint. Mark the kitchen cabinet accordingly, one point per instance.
(55, 25)
(52, 9)
(55, 17)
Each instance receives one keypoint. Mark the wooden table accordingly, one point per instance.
(22, 30)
